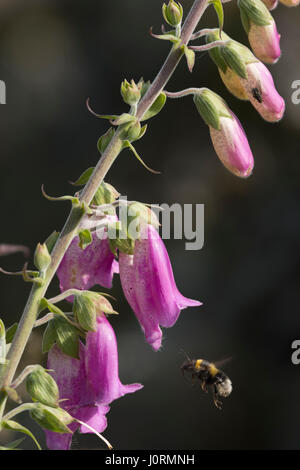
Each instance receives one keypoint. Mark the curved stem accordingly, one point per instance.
(182, 93)
(69, 231)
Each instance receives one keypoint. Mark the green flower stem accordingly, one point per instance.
(32, 307)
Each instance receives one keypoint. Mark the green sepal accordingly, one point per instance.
(245, 21)
(211, 107)
(53, 419)
(49, 337)
(125, 246)
(138, 216)
(190, 57)
(85, 238)
(131, 131)
(104, 141)
(256, 12)
(42, 387)
(66, 337)
(234, 61)
(14, 426)
(10, 333)
(51, 240)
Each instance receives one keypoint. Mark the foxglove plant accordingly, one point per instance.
(82, 379)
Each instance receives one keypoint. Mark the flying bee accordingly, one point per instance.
(209, 375)
(257, 95)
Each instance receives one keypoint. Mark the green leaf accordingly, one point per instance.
(10, 333)
(85, 238)
(49, 337)
(67, 337)
(53, 419)
(156, 107)
(14, 426)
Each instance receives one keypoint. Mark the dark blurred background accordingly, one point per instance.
(53, 55)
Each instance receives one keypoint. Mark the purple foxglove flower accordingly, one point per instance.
(262, 92)
(149, 286)
(82, 269)
(232, 147)
(265, 42)
(101, 364)
(88, 384)
(270, 4)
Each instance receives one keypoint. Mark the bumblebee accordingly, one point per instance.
(256, 93)
(209, 375)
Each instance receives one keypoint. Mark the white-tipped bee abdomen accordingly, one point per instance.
(224, 388)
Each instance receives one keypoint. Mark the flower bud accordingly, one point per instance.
(262, 92)
(270, 4)
(42, 258)
(227, 134)
(172, 13)
(261, 29)
(42, 387)
(248, 78)
(131, 93)
(290, 3)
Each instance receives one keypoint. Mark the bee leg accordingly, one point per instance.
(217, 402)
(193, 378)
(203, 386)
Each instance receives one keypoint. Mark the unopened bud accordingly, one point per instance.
(172, 13)
(53, 419)
(261, 29)
(271, 4)
(42, 258)
(290, 3)
(131, 92)
(42, 387)
(227, 134)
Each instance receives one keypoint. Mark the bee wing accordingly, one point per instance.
(224, 361)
